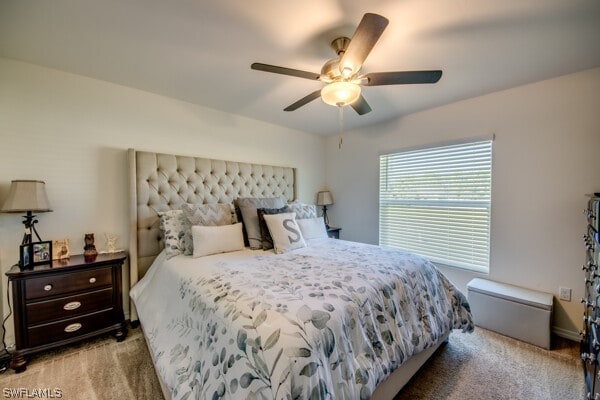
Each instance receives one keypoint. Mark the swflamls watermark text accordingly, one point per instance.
(35, 393)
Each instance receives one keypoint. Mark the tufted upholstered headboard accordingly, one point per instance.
(161, 182)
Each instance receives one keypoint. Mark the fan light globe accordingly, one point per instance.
(340, 93)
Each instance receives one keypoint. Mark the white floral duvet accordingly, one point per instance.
(328, 321)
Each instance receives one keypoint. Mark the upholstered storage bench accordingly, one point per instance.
(513, 311)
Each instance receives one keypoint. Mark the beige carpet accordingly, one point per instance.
(486, 365)
(96, 370)
(482, 365)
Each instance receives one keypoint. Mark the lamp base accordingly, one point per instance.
(29, 222)
(325, 217)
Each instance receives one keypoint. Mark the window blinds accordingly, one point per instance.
(436, 202)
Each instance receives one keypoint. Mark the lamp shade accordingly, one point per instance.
(25, 195)
(340, 93)
(324, 198)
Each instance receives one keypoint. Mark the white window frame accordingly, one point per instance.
(420, 212)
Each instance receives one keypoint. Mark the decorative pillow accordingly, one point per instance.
(312, 228)
(176, 232)
(208, 214)
(303, 210)
(217, 239)
(285, 232)
(248, 207)
(265, 235)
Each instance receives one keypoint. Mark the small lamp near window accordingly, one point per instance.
(28, 197)
(325, 199)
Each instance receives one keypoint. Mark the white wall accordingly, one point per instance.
(546, 157)
(73, 132)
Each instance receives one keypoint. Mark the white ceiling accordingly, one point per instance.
(200, 51)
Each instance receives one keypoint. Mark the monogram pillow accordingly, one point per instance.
(285, 232)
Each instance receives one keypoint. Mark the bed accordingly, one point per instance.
(330, 320)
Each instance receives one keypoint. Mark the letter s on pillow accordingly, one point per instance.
(285, 232)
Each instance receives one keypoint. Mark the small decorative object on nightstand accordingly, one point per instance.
(89, 250)
(60, 249)
(65, 302)
(333, 232)
(111, 242)
(325, 199)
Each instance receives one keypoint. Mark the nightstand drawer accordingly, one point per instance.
(69, 328)
(65, 283)
(66, 307)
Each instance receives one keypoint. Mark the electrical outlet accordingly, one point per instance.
(564, 293)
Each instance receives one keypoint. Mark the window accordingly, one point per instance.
(436, 202)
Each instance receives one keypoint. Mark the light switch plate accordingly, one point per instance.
(564, 293)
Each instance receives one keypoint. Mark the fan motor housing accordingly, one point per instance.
(331, 68)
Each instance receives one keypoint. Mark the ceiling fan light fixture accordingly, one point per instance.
(342, 74)
(340, 93)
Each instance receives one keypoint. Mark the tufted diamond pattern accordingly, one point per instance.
(166, 182)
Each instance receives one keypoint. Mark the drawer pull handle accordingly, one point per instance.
(73, 327)
(92, 280)
(72, 305)
(48, 288)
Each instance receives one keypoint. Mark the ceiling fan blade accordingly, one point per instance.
(401, 77)
(303, 101)
(361, 106)
(368, 32)
(285, 71)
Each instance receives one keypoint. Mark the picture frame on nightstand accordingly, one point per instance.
(25, 258)
(41, 252)
(60, 249)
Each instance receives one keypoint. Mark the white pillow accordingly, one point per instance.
(217, 239)
(312, 228)
(285, 232)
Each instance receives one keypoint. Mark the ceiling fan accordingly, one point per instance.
(343, 74)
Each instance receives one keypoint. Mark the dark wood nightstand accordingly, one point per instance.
(333, 232)
(68, 301)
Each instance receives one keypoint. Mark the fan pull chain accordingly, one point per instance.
(341, 125)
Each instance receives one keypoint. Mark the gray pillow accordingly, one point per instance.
(216, 214)
(303, 210)
(248, 207)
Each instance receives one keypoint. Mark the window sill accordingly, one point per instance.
(481, 271)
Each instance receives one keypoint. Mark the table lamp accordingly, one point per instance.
(27, 196)
(325, 199)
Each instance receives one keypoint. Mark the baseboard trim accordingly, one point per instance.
(567, 334)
